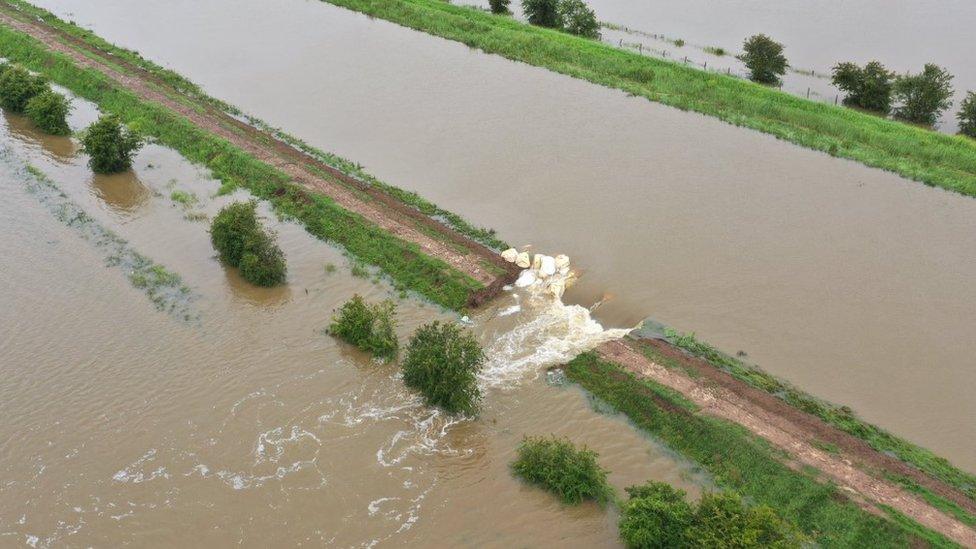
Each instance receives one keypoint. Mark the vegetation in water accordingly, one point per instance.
(499, 7)
(921, 98)
(868, 87)
(49, 110)
(368, 326)
(967, 115)
(570, 473)
(442, 363)
(764, 58)
(18, 86)
(657, 516)
(740, 462)
(715, 50)
(238, 237)
(183, 198)
(109, 145)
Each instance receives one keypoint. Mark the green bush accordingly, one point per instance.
(764, 58)
(577, 18)
(923, 97)
(867, 87)
(49, 112)
(657, 516)
(18, 86)
(109, 145)
(442, 363)
(367, 326)
(558, 466)
(543, 13)
(967, 115)
(241, 242)
(499, 6)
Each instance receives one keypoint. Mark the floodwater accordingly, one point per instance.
(123, 424)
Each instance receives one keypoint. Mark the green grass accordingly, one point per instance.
(841, 417)
(930, 157)
(184, 198)
(741, 462)
(401, 261)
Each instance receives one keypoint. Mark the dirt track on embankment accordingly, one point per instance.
(856, 468)
(395, 217)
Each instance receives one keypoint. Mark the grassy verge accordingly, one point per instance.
(404, 262)
(185, 87)
(745, 464)
(930, 157)
(841, 417)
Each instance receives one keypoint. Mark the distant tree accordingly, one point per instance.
(577, 18)
(868, 87)
(499, 6)
(109, 145)
(49, 112)
(18, 86)
(923, 97)
(442, 363)
(967, 115)
(764, 58)
(543, 13)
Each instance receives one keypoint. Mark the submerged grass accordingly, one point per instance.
(744, 463)
(402, 261)
(933, 158)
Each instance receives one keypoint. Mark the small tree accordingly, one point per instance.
(49, 111)
(923, 97)
(442, 363)
(967, 115)
(543, 13)
(867, 88)
(764, 58)
(18, 86)
(655, 516)
(367, 326)
(577, 18)
(499, 6)
(109, 145)
(241, 242)
(263, 263)
(723, 520)
(556, 465)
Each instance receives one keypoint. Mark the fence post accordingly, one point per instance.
(835, 99)
(808, 93)
(641, 46)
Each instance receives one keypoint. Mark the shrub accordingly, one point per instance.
(499, 6)
(764, 58)
(367, 326)
(577, 18)
(655, 516)
(556, 465)
(18, 86)
(543, 13)
(241, 242)
(109, 145)
(442, 363)
(967, 115)
(868, 87)
(49, 112)
(923, 97)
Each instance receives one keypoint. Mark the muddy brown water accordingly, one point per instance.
(851, 282)
(124, 425)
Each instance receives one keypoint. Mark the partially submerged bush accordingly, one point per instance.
(499, 6)
(967, 115)
(557, 465)
(657, 516)
(18, 86)
(577, 18)
(49, 110)
(442, 363)
(367, 326)
(867, 87)
(543, 13)
(764, 58)
(109, 145)
(923, 97)
(241, 242)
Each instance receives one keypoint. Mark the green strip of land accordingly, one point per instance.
(404, 262)
(930, 157)
(741, 462)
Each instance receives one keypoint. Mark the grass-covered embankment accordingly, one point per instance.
(743, 463)
(930, 157)
(404, 262)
